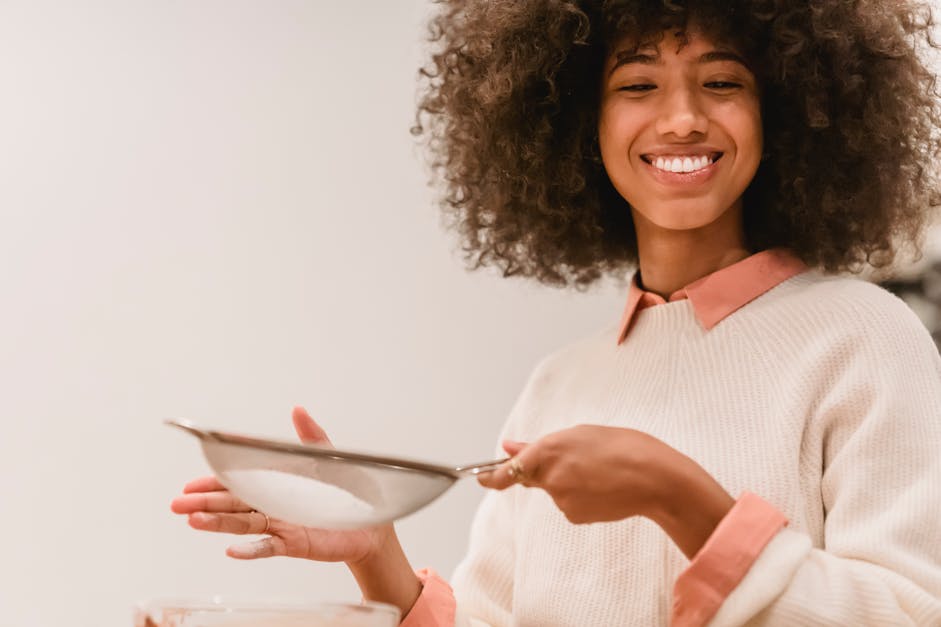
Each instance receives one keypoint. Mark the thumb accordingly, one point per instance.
(266, 547)
(305, 427)
(513, 448)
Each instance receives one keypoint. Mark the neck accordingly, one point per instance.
(671, 259)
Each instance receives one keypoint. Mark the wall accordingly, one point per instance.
(215, 210)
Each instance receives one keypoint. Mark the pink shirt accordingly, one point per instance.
(740, 537)
(715, 296)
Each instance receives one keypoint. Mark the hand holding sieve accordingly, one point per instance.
(319, 486)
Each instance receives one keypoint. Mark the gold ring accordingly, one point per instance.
(267, 520)
(515, 471)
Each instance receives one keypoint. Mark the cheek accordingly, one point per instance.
(616, 135)
(609, 157)
(748, 133)
(755, 142)
(606, 135)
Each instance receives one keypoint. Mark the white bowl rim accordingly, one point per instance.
(223, 603)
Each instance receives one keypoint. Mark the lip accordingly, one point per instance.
(684, 178)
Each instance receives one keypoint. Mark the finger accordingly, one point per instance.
(528, 460)
(492, 479)
(503, 477)
(267, 547)
(241, 523)
(222, 501)
(307, 429)
(513, 448)
(203, 484)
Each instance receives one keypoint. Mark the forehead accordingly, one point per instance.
(671, 41)
(686, 45)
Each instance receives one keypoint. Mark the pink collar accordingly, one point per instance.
(717, 295)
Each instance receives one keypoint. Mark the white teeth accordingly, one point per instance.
(682, 164)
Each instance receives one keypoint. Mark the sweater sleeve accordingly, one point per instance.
(724, 559)
(879, 425)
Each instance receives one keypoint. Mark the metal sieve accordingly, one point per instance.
(319, 486)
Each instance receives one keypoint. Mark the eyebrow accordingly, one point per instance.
(631, 56)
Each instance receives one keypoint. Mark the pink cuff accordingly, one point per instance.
(724, 560)
(435, 606)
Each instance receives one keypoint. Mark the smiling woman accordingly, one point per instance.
(754, 425)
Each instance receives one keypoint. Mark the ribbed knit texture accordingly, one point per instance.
(823, 396)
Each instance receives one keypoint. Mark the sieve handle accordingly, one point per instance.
(476, 469)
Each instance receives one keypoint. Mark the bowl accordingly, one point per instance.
(219, 612)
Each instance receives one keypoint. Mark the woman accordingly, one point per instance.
(757, 437)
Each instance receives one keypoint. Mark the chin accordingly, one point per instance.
(683, 221)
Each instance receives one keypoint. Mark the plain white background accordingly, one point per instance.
(214, 209)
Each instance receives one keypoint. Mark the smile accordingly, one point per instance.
(681, 163)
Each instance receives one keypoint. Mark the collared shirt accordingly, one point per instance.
(718, 295)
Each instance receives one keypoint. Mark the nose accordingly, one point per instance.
(681, 114)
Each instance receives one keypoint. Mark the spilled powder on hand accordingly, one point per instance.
(299, 500)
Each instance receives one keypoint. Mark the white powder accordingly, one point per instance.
(300, 500)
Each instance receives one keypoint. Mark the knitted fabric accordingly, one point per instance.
(823, 396)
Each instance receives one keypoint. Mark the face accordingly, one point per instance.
(680, 131)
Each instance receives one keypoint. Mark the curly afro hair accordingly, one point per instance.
(509, 112)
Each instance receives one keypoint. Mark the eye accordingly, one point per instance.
(639, 87)
(722, 85)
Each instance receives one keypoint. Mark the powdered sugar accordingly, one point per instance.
(299, 500)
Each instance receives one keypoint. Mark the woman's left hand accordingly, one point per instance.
(598, 474)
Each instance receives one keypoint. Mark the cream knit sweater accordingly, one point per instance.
(823, 396)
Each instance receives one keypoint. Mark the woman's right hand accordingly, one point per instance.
(209, 506)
